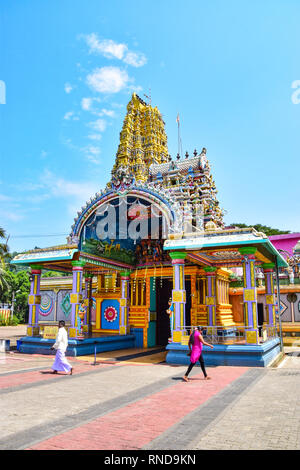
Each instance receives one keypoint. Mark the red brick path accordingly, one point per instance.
(135, 425)
(16, 379)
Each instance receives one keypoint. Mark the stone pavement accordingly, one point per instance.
(139, 404)
(13, 333)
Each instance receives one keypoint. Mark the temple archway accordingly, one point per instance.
(116, 225)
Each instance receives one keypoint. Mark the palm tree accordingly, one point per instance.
(4, 252)
(3, 282)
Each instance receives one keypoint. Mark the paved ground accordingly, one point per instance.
(12, 333)
(129, 401)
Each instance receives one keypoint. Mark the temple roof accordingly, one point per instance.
(176, 166)
(221, 247)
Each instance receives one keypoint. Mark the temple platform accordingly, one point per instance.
(78, 347)
(257, 355)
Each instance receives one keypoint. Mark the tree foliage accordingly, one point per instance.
(13, 282)
(263, 228)
(19, 284)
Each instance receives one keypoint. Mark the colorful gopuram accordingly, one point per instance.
(154, 233)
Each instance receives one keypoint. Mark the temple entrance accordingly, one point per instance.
(260, 317)
(188, 304)
(163, 293)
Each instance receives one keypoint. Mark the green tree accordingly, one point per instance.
(263, 228)
(3, 275)
(4, 250)
(19, 284)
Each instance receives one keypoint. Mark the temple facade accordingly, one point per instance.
(149, 258)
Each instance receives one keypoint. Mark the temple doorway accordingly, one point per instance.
(188, 304)
(163, 293)
(260, 317)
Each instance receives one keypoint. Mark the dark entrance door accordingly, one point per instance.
(188, 303)
(163, 293)
(260, 317)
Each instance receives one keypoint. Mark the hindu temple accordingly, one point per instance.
(155, 237)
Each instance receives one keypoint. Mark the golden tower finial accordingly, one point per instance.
(143, 140)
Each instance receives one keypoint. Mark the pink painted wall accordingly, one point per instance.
(285, 242)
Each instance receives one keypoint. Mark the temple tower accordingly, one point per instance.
(143, 140)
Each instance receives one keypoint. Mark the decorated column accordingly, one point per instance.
(76, 298)
(34, 300)
(178, 294)
(249, 294)
(85, 307)
(211, 299)
(124, 302)
(85, 303)
(270, 294)
(89, 279)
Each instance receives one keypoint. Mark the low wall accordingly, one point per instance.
(76, 347)
(228, 355)
(4, 345)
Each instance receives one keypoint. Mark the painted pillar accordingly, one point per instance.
(194, 300)
(211, 297)
(270, 293)
(87, 302)
(90, 299)
(76, 297)
(124, 302)
(34, 300)
(249, 295)
(178, 292)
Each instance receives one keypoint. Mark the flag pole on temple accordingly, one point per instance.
(179, 138)
(178, 122)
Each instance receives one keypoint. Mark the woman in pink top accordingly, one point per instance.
(195, 346)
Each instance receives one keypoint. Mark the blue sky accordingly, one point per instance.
(227, 67)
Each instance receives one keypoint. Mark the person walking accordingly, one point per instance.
(61, 343)
(170, 312)
(196, 343)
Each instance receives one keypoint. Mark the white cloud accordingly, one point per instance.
(99, 125)
(118, 105)
(11, 215)
(77, 190)
(107, 112)
(92, 153)
(108, 80)
(135, 59)
(106, 47)
(94, 136)
(70, 115)
(113, 50)
(86, 103)
(68, 88)
(28, 186)
(38, 198)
